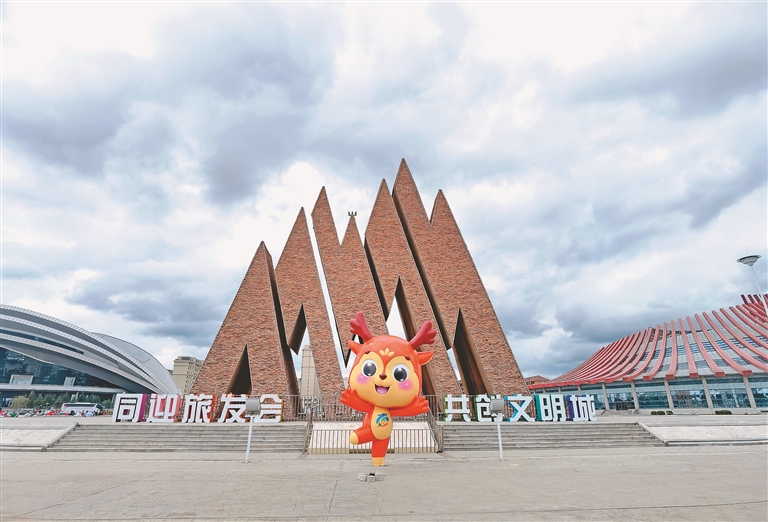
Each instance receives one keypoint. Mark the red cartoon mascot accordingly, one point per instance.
(385, 382)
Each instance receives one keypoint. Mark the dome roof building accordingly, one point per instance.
(47, 355)
(713, 360)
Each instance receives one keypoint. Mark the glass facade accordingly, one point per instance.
(728, 393)
(688, 393)
(651, 395)
(759, 387)
(620, 396)
(24, 367)
(597, 393)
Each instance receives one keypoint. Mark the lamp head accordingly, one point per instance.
(748, 260)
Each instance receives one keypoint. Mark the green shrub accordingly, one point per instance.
(20, 401)
(722, 412)
(656, 412)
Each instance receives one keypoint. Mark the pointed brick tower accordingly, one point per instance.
(398, 277)
(303, 306)
(465, 314)
(349, 279)
(421, 262)
(247, 355)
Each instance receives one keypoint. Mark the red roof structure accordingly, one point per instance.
(716, 344)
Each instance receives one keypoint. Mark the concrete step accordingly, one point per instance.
(175, 437)
(190, 449)
(469, 437)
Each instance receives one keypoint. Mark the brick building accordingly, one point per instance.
(422, 263)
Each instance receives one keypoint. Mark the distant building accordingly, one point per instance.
(185, 370)
(308, 384)
(48, 356)
(711, 361)
(535, 379)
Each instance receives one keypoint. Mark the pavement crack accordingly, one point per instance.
(333, 495)
(75, 499)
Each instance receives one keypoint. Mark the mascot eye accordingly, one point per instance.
(400, 373)
(369, 368)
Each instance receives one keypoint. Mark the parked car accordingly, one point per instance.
(26, 412)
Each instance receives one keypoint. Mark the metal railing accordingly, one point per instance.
(336, 441)
(437, 431)
(307, 433)
(297, 408)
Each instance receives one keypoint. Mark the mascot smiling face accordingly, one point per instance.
(387, 371)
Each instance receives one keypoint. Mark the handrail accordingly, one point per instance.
(648, 430)
(60, 436)
(308, 431)
(437, 431)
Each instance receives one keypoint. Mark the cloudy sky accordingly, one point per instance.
(605, 161)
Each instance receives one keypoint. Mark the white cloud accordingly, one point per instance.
(149, 148)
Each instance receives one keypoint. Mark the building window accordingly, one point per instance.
(688, 394)
(728, 393)
(597, 393)
(619, 397)
(14, 363)
(759, 387)
(651, 395)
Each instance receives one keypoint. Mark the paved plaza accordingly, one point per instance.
(649, 483)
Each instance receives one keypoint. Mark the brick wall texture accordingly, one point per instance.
(347, 274)
(421, 262)
(455, 285)
(251, 324)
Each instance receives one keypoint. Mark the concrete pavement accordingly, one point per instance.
(648, 483)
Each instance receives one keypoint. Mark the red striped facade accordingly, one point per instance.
(721, 343)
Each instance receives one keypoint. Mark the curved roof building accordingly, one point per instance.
(709, 361)
(38, 351)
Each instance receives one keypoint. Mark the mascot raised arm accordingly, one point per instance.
(385, 382)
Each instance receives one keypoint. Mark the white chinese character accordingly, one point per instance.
(573, 408)
(129, 407)
(518, 410)
(543, 407)
(450, 410)
(590, 400)
(163, 408)
(582, 408)
(271, 412)
(558, 407)
(233, 408)
(483, 408)
(198, 408)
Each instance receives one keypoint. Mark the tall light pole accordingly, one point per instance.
(749, 261)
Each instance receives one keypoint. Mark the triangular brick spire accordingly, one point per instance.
(303, 305)
(251, 321)
(347, 274)
(422, 263)
(393, 264)
(458, 295)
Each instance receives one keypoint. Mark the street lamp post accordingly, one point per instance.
(749, 261)
(497, 409)
(252, 410)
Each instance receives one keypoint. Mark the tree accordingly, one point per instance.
(32, 400)
(59, 400)
(20, 401)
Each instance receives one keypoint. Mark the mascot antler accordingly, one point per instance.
(425, 336)
(357, 326)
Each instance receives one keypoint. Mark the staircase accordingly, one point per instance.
(283, 437)
(483, 436)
